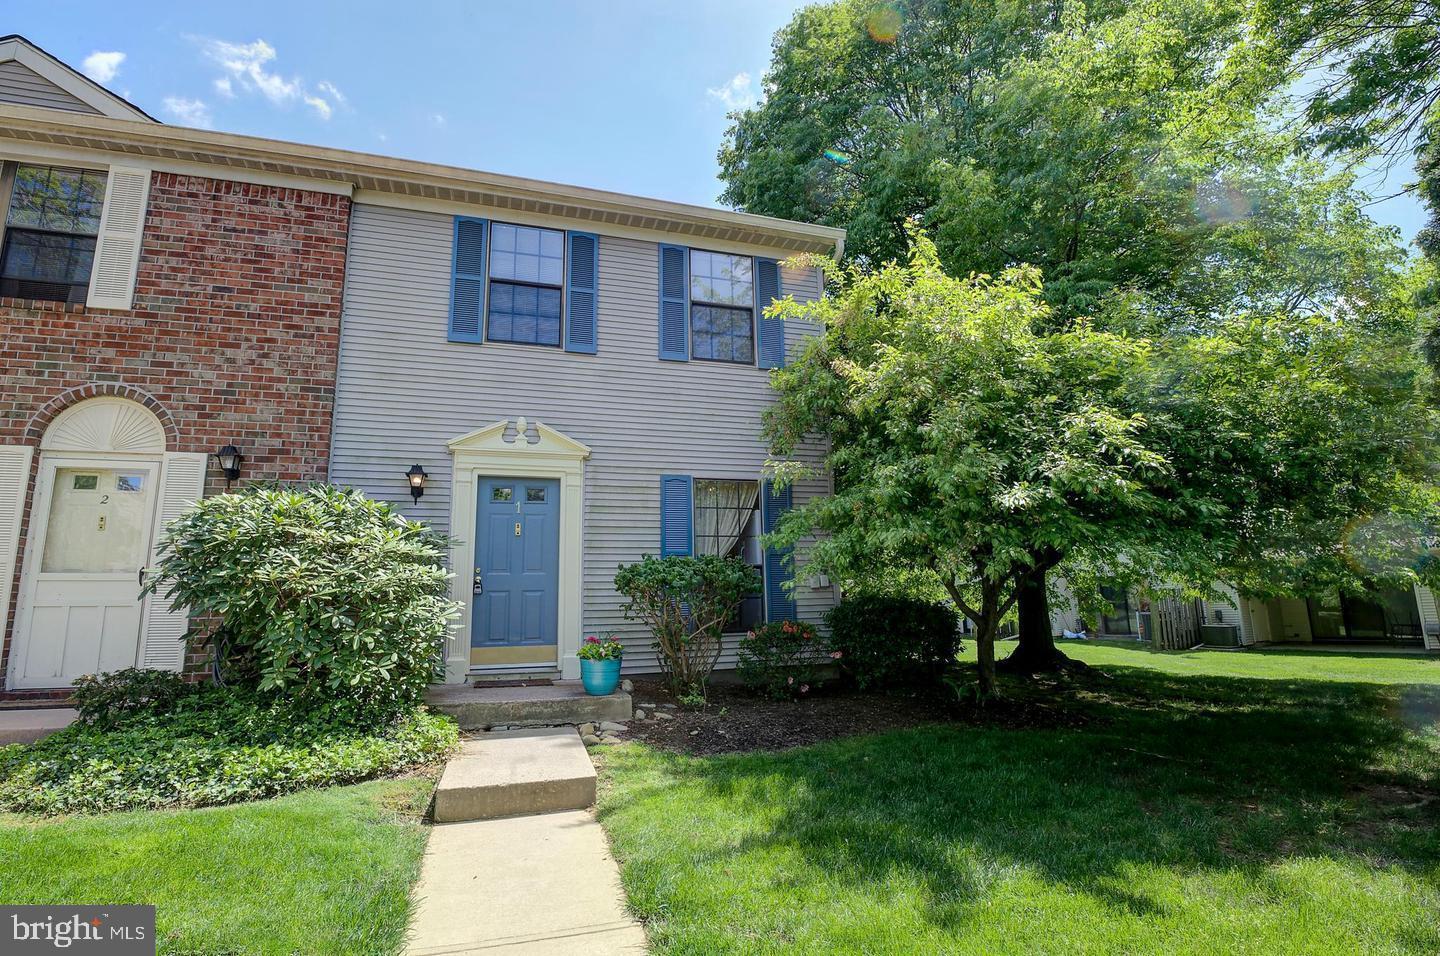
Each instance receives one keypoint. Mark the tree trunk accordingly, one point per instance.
(1036, 651)
(985, 657)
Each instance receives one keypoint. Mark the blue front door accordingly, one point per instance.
(517, 565)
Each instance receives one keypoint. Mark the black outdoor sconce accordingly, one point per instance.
(229, 458)
(416, 476)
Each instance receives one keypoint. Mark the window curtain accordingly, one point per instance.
(722, 511)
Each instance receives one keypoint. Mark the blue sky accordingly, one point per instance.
(629, 95)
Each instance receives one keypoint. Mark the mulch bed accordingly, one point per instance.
(735, 720)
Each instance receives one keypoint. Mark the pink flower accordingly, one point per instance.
(789, 680)
(804, 688)
(836, 655)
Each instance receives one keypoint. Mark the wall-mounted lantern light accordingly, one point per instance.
(229, 458)
(416, 476)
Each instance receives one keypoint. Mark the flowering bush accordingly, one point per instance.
(600, 649)
(782, 659)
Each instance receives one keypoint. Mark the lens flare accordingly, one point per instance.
(837, 157)
(1383, 545)
(1221, 202)
(883, 23)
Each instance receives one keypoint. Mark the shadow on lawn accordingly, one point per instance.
(1185, 774)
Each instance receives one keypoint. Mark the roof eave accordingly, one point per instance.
(410, 178)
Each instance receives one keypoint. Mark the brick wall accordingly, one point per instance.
(233, 338)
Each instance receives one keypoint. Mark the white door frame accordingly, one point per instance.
(50, 463)
(486, 453)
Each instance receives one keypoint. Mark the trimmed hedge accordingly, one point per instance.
(214, 746)
(893, 642)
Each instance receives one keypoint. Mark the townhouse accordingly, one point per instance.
(559, 379)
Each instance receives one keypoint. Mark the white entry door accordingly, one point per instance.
(80, 607)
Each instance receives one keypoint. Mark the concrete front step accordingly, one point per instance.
(32, 724)
(565, 702)
(515, 772)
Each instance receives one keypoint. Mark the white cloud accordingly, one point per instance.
(187, 111)
(329, 89)
(437, 120)
(736, 94)
(319, 105)
(102, 65)
(247, 68)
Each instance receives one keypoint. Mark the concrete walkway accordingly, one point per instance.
(543, 883)
(29, 724)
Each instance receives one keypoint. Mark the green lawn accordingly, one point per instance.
(1209, 803)
(324, 871)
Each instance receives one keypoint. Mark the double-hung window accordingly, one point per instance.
(51, 224)
(722, 307)
(727, 523)
(527, 285)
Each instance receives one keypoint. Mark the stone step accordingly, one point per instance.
(31, 724)
(514, 772)
(564, 702)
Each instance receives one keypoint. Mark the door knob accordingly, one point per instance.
(479, 586)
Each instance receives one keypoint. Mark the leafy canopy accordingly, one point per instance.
(1123, 149)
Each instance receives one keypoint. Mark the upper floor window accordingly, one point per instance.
(51, 224)
(527, 269)
(722, 307)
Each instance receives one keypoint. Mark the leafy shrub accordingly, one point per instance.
(893, 642)
(212, 746)
(782, 659)
(686, 602)
(104, 699)
(318, 593)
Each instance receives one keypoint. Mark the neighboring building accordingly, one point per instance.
(157, 303)
(1393, 618)
(168, 292)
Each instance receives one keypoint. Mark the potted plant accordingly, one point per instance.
(600, 664)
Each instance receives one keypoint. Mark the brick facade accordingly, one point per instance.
(233, 338)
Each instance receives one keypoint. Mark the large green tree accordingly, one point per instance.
(1072, 137)
(971, 438)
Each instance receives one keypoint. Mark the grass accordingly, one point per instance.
(1207, 803)
(324, 872)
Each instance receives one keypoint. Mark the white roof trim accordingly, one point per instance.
(78, 85)
(408, 180)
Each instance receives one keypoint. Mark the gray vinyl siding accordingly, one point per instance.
(404, 391)
(23, 86)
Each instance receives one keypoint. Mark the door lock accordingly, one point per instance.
(479, 586)
(517, 529)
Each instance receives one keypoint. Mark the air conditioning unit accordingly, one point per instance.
(1220, 635)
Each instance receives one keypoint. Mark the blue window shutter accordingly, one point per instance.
(675, 303)
(582, 320)
(467, 281)
(779, 602)
(771, 349)
(677, 515)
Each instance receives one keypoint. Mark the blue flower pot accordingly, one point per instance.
(600, 677)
